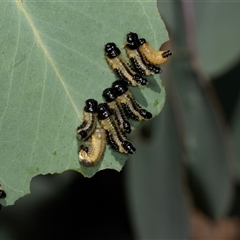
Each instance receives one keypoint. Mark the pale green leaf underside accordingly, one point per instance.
(51, 62)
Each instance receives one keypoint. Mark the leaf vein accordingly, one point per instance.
(49, 57)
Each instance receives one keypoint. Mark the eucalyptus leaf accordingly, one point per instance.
(51, 62)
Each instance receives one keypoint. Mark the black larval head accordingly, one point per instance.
(91, 106)
(119, 87)
(142, 41)
(132, 41)
(109, 94)
(112, 50)
(103, 111)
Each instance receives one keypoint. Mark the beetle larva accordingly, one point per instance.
(145, 49)
(115, 137)
(138, 60)
(110, 96)
(120, 66)
(130, 106)
(88, 126)
(91, 154)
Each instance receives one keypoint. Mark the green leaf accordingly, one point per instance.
(51, 62)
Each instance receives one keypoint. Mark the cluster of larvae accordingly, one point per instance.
(120, 105)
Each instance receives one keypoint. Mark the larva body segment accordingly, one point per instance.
(154, 57)
(91, 154)
(146, 51)
(130, 106)
(140, 63)
(115, 137)
(88, 126)
(2, 192)
(120, 117)
(121, 67)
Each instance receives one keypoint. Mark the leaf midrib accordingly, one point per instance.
(48, 56)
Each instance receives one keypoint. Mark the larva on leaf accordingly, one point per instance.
(137, 59)
(89, 155)
(110, 97)
(140, 63)
(88, 126)
(151, 56)
(121, 67)
(130, 106)
(115, 136)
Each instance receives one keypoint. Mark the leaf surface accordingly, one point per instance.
(51, 62)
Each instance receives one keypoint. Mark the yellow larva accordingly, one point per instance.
(132, 109)
(120, 66)
(152, 56)
(85, 130)
(140, 63)
(91, 154)
(117, 109)
(115, 136)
